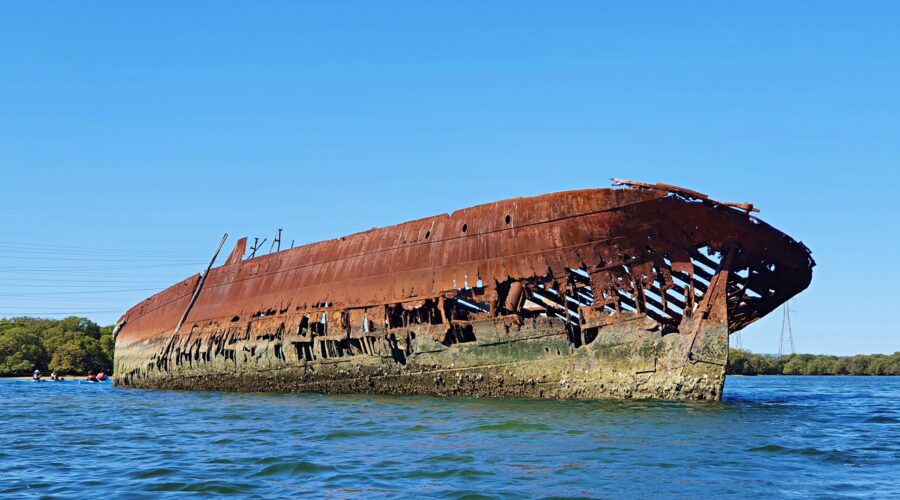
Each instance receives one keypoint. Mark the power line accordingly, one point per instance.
(79, 292)
(91, 276)
(95, 253)
(90, 273)
(102, 280)
(43, 309)
(55, 245)
(9, 298)
(79, 247)
(103, 268)
(46, 308)
(87, 285)
(99, 274)
(94, 259)
(40, 304)
(58, 311)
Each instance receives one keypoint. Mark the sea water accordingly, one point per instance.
(770, 436)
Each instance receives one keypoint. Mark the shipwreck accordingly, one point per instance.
(626, 292)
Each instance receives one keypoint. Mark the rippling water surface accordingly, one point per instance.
(771, 436)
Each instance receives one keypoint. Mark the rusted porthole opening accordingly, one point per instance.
(508, 219)
(465, 227)
(427, 234)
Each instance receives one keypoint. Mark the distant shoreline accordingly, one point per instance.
(69, 345)
(741, 362)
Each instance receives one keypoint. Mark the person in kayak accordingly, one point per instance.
(102, 376)
(91, 376)
(36, 376)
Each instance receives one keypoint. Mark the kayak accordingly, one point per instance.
(75, 380)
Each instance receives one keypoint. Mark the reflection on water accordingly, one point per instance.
(783, 436)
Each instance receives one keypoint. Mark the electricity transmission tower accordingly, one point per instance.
(786, 329)
(737, 341)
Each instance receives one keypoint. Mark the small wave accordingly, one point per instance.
(85, 442)
(770, 448)
(166, 486)
(529, 466)
(219, 461)
(153, 473)
(467, 495)
(461, 473)
(344, 434)
(774, 448)
(448, 458)
(213, 487)
(289, 468)
(510, 426)
(880, 419)
(832, 456)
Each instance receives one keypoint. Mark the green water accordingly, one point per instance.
(771, 436)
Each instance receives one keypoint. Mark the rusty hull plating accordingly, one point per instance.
(602, 293)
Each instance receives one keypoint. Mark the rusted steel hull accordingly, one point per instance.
(622, 293)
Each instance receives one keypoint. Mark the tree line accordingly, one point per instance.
(742, 362)
(72, 345)
(76, 345)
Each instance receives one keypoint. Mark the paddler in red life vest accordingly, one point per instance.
(91, 376)
(102, 376)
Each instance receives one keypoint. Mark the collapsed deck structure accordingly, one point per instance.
(627, 292)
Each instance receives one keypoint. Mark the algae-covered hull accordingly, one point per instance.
(604, 293)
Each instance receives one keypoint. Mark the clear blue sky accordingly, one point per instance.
(132, 135)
